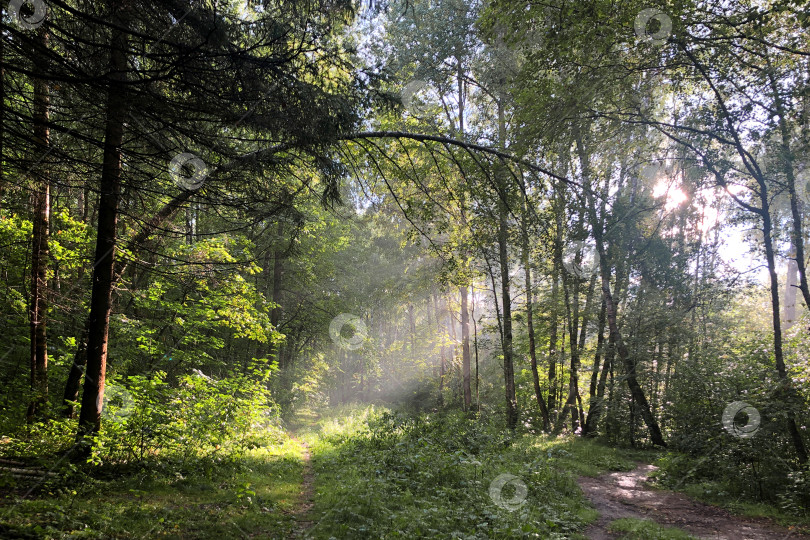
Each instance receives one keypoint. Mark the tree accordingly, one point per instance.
(38, 315)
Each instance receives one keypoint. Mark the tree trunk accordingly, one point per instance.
(71, 393)
(506, 299)
(39, 253)
(475, 345)
(465, 348)
(72, 385)
(767, 229)
(454, 351)
(569, 407)
(629, 364)
(796, 210)
(598, 405)
(610, 308)
(278, 272)
(465, 318)
(597, 388)
(553, 323)
(2, 116)
(104, 269)
(506, 296)
(442, 353)
(538, 394)
(412, 331)
(784, 391)
(600, 341)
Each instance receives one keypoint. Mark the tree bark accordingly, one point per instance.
(597, 388)
(553, 323)
(538, 394)
(109, 195)
(506, 296)
(569, 407)
(600, 342)
(506, 299)
(39, 253)
(278, 272)
(465, 348)
(629, 363)
(796, 210)
(71, 393)
(443, 359)
(785, 391)
(465, 318)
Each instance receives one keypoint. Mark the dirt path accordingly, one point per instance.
(306, 498)
(624, 495)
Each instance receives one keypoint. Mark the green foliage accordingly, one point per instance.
(795, 497)
(200, 420)
(253, 494)
(188, 318)
(744, 481)
(37, 441)
(428, 475)
(757, 468)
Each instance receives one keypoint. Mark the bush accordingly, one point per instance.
(200, 419)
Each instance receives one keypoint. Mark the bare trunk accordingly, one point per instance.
(104, 269)
(629, 363)
(475, 345)
(538, 394)
(569, 407)
(553, 323)
(465, 348)
(278, 271)
(442, 352)
(71, 394)
(796, 210)
(598, 402)
(597, 387)
(506, 296)
(784, 391)
(39, 253)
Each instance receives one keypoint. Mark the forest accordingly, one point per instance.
(375, 269)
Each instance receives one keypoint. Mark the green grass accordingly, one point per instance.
(380, 475)
(250, 498)
(644, 529)
(584, 457)
(377, 475)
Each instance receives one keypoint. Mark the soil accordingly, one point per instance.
(626, 495)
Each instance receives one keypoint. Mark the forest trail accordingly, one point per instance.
(306, 498)
(624, 495)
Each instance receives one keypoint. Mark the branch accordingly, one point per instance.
(455, 142)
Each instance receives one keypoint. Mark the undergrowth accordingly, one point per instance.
(387, 475)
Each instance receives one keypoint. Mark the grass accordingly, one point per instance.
(253, 497)
(377, 475)
(382, 475)
(644, 529)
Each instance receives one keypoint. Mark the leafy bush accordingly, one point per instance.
(200, 419)
(795, 498)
